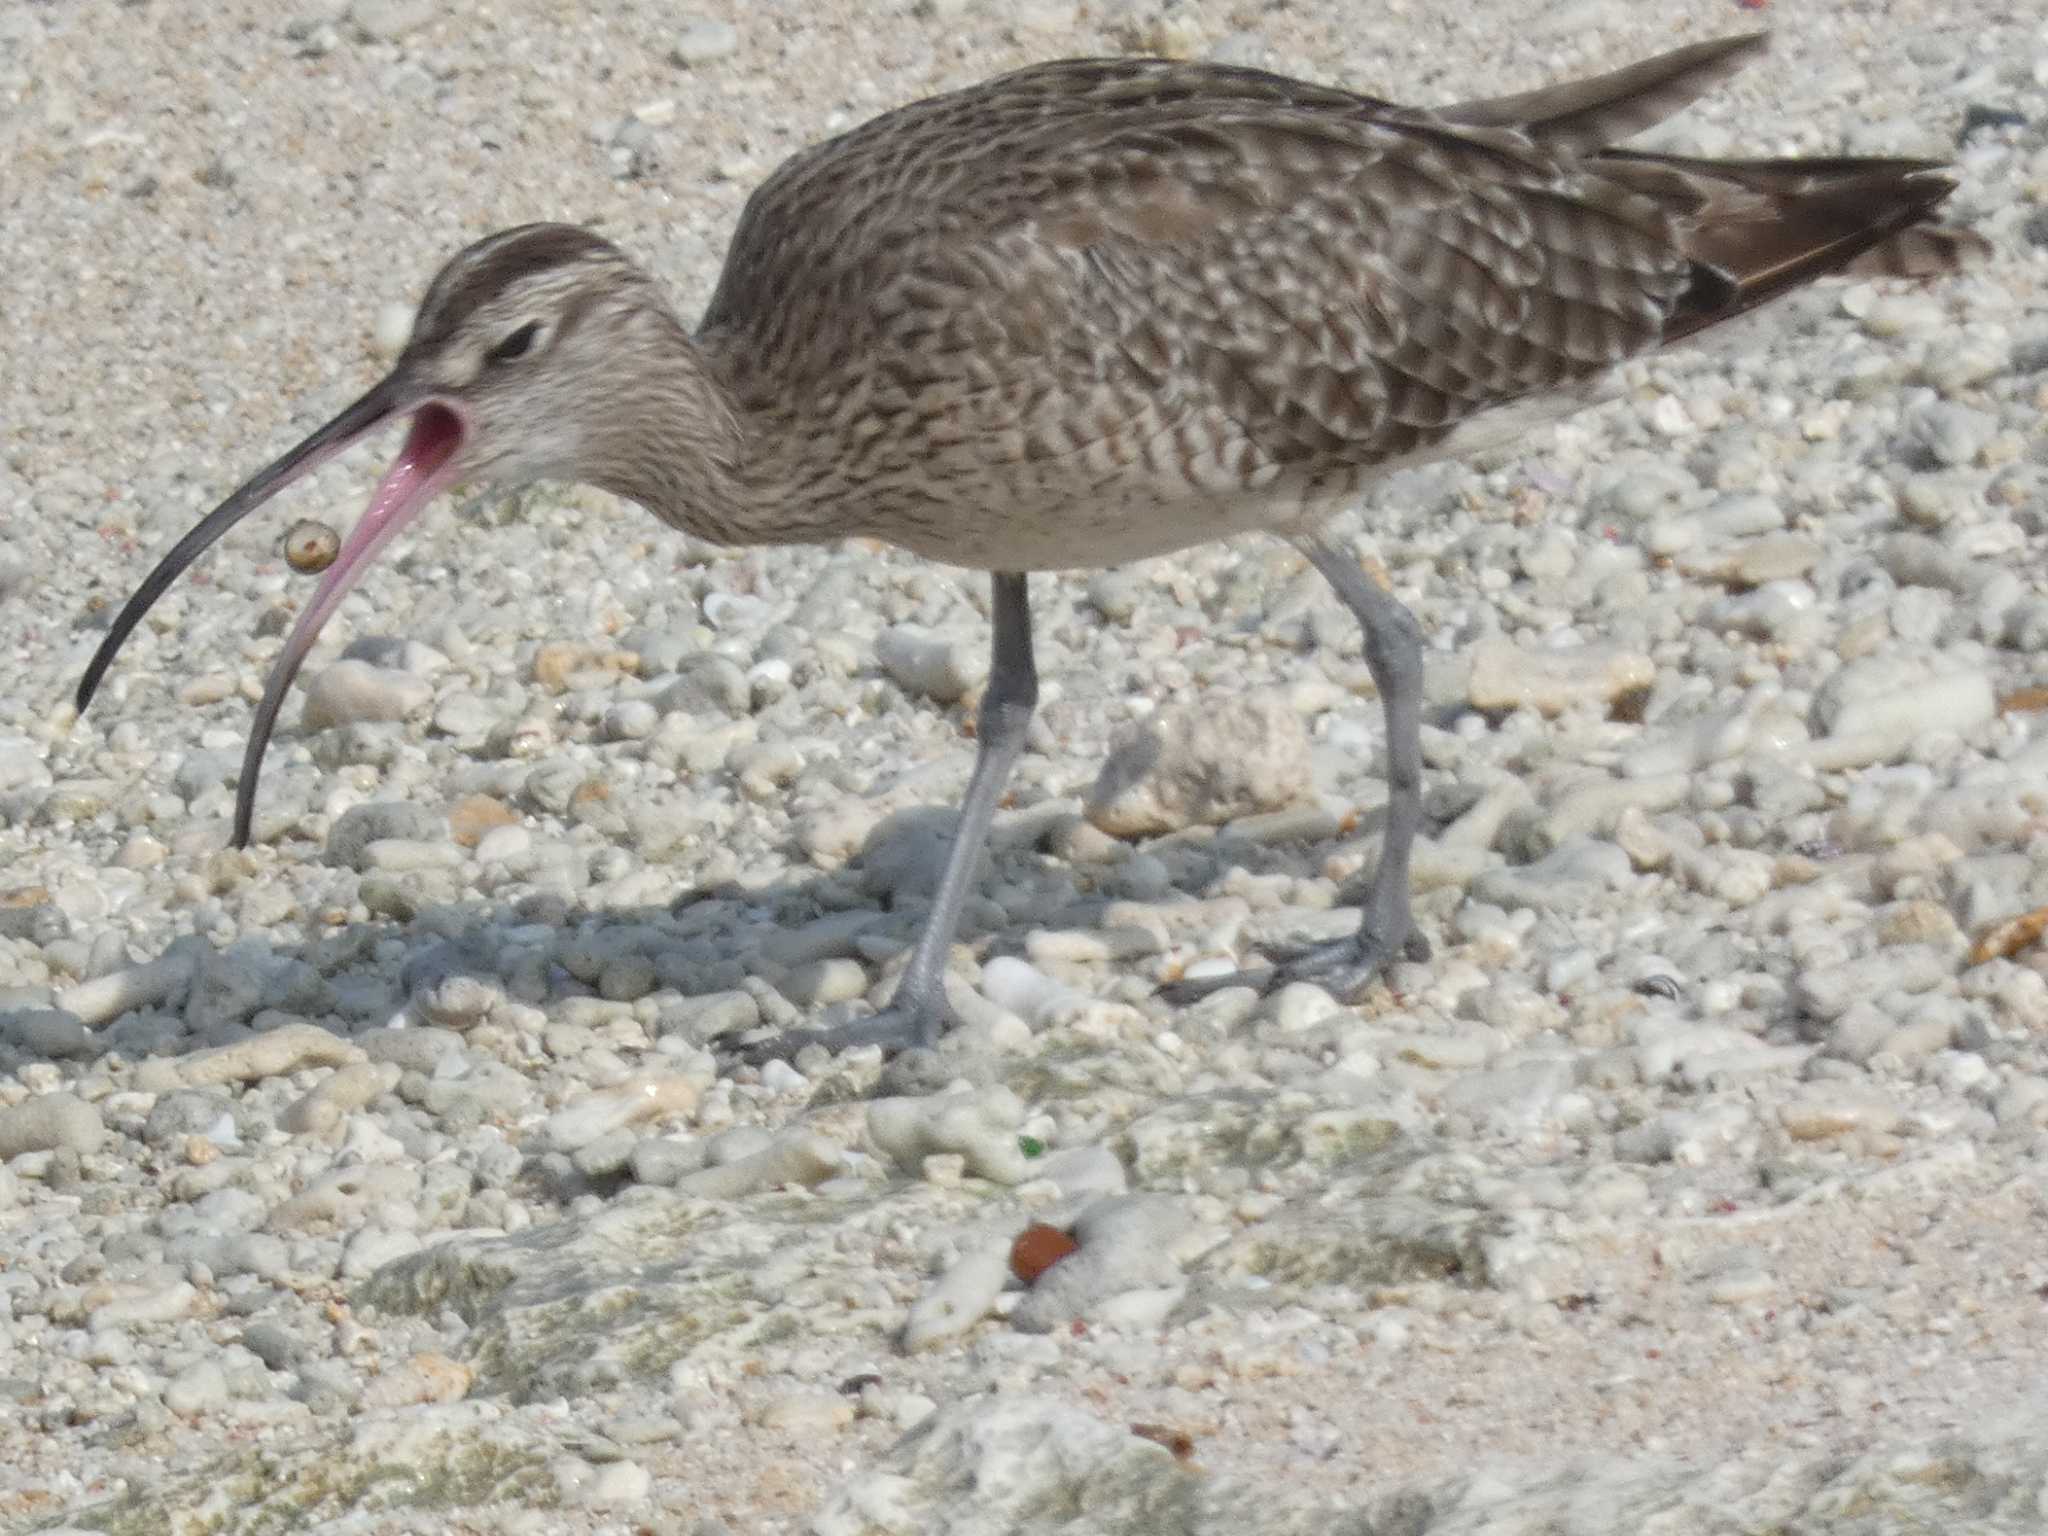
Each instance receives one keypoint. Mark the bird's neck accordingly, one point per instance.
(678, 445)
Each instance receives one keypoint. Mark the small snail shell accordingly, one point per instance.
(311, 546)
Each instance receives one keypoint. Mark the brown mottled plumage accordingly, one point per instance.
(1102, 309)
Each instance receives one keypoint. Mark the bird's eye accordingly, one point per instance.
(516, 345)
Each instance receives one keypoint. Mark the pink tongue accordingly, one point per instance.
(424, 465)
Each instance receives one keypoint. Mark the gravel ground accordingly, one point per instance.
(379, 1179)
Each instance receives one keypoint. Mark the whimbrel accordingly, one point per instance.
(1093, 311)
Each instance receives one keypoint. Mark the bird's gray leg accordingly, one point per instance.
(919, 1014)
(1393, 654)
(1004, 720)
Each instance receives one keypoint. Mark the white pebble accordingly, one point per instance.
(939, 667)
(702, 42)
(349, 692)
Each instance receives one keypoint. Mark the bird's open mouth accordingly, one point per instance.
(425, 465)
(422, 467)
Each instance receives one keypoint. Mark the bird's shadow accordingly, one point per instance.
(543, 949)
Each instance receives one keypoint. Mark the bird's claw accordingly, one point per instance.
(898, 1027)
(1342, 967)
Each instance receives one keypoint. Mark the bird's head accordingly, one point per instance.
(512, 374)
(515, 360)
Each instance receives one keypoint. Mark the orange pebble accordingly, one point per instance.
(1037, 1249)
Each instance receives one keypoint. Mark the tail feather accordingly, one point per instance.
(1926, 250)
(1581, 116)
(1753, 228)
(1758, 228)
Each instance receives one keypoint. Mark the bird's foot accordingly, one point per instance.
(903, 1025)
(1342, 967)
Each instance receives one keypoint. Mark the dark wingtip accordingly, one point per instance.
(1581, 116)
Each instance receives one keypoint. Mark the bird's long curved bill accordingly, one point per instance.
(424, 466)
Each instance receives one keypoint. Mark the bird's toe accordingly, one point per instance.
(1342, 967)
(893, 1029)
